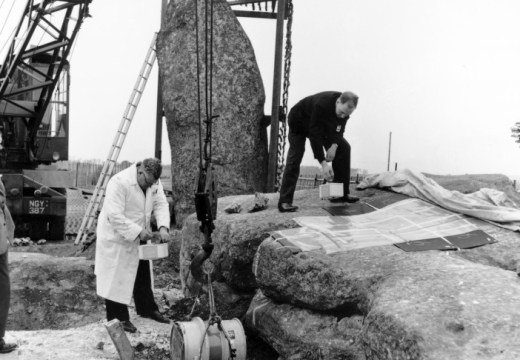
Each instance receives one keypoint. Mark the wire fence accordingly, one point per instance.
(306, 182)
(85, 174)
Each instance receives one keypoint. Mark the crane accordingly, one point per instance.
(34, 82)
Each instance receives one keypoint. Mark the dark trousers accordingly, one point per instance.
(340, 166)
(5, 293)
(143, 296)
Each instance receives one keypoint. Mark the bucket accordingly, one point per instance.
(187, 337)
(153, 251)
(331, 190)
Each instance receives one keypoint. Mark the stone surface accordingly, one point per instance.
(431, 305)
(52, 293)
(422, 305)
(239, 141)
(237, 236)
(302, 334)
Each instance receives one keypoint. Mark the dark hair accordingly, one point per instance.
(153, 167)
(349, 96)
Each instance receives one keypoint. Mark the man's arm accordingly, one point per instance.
(338, 135)
(316, 133)
(161, 211)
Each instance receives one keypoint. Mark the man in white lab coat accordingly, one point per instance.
(124, 222)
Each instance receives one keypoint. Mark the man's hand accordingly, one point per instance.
(164, 234)
(331, 152)
(328, 173)
(145, 235)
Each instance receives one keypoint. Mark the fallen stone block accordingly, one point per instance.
(303, 334)
(237, 236)
(420, 305)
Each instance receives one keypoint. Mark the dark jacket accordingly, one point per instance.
(315, 116)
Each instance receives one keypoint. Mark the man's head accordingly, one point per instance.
(148, 172)
(346, 104)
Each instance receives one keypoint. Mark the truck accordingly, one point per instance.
(34, 115)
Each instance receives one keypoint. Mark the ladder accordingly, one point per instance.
(108, 166)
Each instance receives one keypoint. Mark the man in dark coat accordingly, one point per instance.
(321, 118)
(6, 235)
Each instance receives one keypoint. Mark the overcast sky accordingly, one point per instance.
(443, 76)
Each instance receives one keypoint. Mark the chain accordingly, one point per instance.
(282, 132)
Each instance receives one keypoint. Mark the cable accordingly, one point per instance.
(198, 81)
(7, 17)
(211, 77)
(206, 67)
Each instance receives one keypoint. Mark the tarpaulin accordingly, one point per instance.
(486, 204)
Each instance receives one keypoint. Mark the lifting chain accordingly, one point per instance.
(282, 132)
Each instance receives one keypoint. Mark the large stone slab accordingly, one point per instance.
(297, 333)
(237, 236)
(421, 305)
(432, 305)
(239, 140)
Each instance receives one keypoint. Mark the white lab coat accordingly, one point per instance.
(126, 211)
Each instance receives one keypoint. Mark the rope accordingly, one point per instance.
(282, 131)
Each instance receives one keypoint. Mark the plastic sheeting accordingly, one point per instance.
(486, 204)
(404, 222)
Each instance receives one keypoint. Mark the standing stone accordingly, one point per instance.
(239, 140)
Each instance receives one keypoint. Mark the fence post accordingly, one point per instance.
(77, 172)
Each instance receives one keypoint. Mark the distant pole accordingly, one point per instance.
(389, 148)
(275, 109)
(160, 106)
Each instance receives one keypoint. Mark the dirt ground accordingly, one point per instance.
(152, 340)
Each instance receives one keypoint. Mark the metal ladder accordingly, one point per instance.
(108, 166)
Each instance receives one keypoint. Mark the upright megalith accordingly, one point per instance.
(239, 140)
